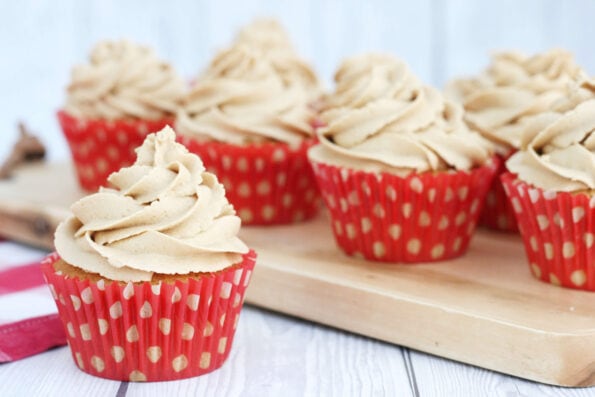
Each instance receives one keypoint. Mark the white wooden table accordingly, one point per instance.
(276, 355)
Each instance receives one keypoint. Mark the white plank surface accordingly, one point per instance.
(42, 39)
(279, 356)
(437, 377)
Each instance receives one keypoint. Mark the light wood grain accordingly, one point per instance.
(483, 308)
(439, 377)
(33, 204)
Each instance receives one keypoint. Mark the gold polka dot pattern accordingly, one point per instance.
(267, 183)
(100, 147)
(387, 218)
(557, 229)
(149, 332)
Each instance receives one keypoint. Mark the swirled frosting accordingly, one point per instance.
(501, 102)
(124, 81)
(241, 100)
(268, 36)
(165, 215)
(381, 118)
(558, 153)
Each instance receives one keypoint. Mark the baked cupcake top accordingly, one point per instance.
(124, 80)
(240, 99)
(268, 36)
(382, 118)
(165, 214)
(559, 148)
(501, 102)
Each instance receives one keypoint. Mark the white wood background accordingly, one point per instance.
(41, 39)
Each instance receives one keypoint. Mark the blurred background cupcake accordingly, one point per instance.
(149, 276)
(400, 172)
(113, 102)
(268, 36)
(503, 100)
(550, 186)
(250, 117)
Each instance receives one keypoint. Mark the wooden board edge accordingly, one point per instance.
(29, 224)
(568, 364)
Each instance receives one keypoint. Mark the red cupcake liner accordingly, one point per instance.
(100, 147)
(268, 183)
(558, 231)
(150, 332)
(497, 212)
(419, 218)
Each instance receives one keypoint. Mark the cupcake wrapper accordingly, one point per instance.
(558, 231)
(418, 218)
(497, 212)
(150, 332)
(100, 147)
(267, 184)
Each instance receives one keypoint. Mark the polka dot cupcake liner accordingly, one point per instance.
(100, 147)
(558, 231)
(150, 331)
(269, 183)
(497, 212)
(419, 218)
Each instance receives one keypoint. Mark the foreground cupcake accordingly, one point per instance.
(149, 276)
(124, 93)
(551, 187)
(402, 175)
(253, 130)
(503, 101)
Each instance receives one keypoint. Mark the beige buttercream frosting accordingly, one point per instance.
(382, 118)
(270, 38)
(165, 214)
(124, 80)
(558, 152)
(502, 101)
(241, 100)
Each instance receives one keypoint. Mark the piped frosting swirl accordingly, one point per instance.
(124, 81)
(558, 150)
(502, 102)
(165, 214)
(240, 99)
(382, 118)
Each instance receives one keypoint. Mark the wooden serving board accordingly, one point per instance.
(483, 309)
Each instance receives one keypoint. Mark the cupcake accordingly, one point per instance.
(402, 175)
(123, 94)
(503, 101)
(149, 275)
(252, 128)
(551, 187)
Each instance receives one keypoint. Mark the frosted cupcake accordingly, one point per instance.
(503, 101)
(253, 130)
(551, 187)
(400, 172)
(149, 275)
(122, 94)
